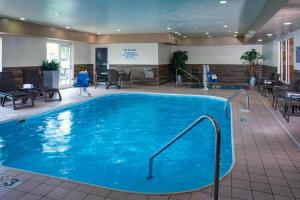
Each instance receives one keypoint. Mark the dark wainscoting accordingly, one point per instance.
(18, 72)
(138, 75)
(84, 67)
(297, 74)
(227, 73)
(268, 70)
(164, 74)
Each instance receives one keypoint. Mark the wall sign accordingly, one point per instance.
(129, 54)
(298, 54)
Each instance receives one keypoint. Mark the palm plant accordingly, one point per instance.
(178, 61)
(252, 58)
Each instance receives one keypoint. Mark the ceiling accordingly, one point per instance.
(189, 17)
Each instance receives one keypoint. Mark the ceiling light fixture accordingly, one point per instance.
(209, 36)
(178, 33)
(184, 36)
(287, 23)
(225, 26)
(22, 18)
(259, 40)
(118, 30)
(169, 28)
(98, 33)
(68, 27)
(269, 34)
(222, 2)
(236, 32)
(235, 35)
(207, 33)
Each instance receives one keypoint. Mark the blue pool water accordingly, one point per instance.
(108, 140)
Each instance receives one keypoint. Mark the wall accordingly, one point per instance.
(270, 50)
(0, 54)
(20, 51)
(164, 54)
(229, 54)
(147, 53)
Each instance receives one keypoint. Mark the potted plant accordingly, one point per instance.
(178, 61)
(51, 73)
(252, 58)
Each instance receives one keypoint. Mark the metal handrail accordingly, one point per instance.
(239, 92)
(191, 75)
(182, 133)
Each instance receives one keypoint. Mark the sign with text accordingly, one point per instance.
(129, 54)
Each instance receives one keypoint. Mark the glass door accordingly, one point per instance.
(62, 54)
(66, 66)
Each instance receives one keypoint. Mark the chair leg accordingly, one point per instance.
(14, 103)
(3, 101)
(59, 95)
(45, 96)
(32, 101)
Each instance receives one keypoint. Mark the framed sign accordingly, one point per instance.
(298, 54)
(129, 54)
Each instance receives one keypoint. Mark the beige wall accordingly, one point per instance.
(164, 54)
(270, 50)
(229, 54)
(20, 51)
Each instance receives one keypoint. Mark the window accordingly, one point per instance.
(286, 59)
(62, 54)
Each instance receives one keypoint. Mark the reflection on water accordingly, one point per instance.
(2, 145)
(57, 133)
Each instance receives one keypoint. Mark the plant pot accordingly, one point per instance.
(178, 79)
(252, 81)
(51, 79)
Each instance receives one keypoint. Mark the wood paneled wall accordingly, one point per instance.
(18, 72)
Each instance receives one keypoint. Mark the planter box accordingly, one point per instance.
(51, 79)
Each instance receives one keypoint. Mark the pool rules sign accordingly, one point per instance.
(129, 54)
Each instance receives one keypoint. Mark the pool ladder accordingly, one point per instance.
(217, 150)
(238, 93)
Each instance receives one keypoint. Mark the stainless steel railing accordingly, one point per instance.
(189, 74)
(238, 93)
(182, 133)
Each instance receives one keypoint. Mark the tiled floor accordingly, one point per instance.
(267, 159)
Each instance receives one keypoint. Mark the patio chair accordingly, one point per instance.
(8, 89)
(33, 77)
(82, 83)
(100, 74)
(280, 92)
(125, 78)
(291, 106)
(269, 84)
(113, 78)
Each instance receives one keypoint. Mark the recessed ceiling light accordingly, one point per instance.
(269, 34)
(169, 28)
(209, 36)
(259, 40)
(287, 23)
(98, 33)
(236, 32)
(222, 2)
(207, 33)
(225, 26)
(118, 30)
(68, 27)
(184, 36)
(22, 18)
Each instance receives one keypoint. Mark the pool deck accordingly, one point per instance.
(267, 156)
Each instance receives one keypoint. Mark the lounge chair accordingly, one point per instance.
(33, 77)
(113, 78)
(8, 89)
(281, 92)
(100, 74)
(82, 83)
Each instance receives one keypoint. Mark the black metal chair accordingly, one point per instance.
(101, 74)
(269, 84)
(291, 106)
(125, 78)
(113, 78)
(280, 92)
